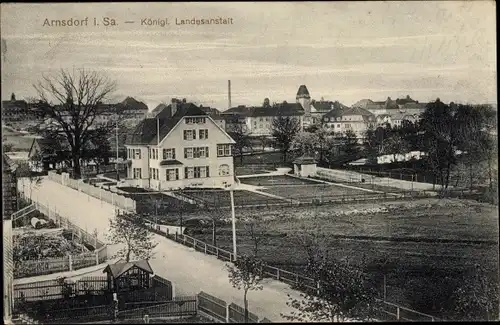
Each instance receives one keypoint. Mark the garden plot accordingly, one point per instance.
(155, 203)
(221, 198)
(31, 245)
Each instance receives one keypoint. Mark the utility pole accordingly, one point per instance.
(233, 218)
(117, 155)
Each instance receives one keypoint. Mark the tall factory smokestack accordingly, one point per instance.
(229, 94)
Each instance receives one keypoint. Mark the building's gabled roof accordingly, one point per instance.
(238, 110)
(305, 160)
(362, 103)
(283, 109)
(146, 131)
(357, 111)
(131, 104)
(336, 112)
(118, 269)
(303, 92)
(8, 164)
(322, 106)
(160, 108)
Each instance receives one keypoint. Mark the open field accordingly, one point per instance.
(250, 170)
(424, 247)
(221, 198)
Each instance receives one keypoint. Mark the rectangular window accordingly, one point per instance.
(150, 153)
(168, 154)
(197, 120)
(172, 174)
(137, 153)
(188, 153)
(203, 134)
(189, 135)
(223, 150)
(137, 173)
(188, 172)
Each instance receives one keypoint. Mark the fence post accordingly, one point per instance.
(176, 236)
(227, 313)
(278, 274)
(96, 257)
(217, 251)
(184, 237)
(205, 248)
(70, 263)
(397, 313)
(317, 288)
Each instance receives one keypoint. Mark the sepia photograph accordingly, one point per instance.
(249, 162)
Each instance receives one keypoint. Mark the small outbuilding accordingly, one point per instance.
(128, 276)
(304, 166)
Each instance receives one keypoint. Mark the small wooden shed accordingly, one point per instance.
(304, 166)
(128, 276)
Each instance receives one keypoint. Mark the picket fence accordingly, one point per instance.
(29, 268)
(223, 312)
(97, 192)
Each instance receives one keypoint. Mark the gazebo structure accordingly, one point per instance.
(128, 276)
(304, 166)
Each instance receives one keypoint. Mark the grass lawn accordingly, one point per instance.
(409, 237)
(222, 198)
(249, 170)
(194, 319)
(306, 192)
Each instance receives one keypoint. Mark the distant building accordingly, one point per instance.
(259, 119)
(393, 111)
(182, 146)
(14, 110)
(354, 119)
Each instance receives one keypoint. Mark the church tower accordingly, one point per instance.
(304, 99)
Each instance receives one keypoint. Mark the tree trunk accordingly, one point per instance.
(128, 254)
(246, 305)
(214, 233)
(76, 165)
(284, 156)
(241, 157)
(181, 223)
(471, 169)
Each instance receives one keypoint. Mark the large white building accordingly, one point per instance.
(355, 119)
(182, 146)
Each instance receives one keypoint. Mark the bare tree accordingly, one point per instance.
(256, 236)
(241, 138)
(73, 101)
(215, 213)
(247, 273)
(24, 171)
(131, 232)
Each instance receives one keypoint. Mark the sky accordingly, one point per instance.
(345, 51)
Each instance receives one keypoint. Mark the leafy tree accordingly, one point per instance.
(319, 143)
(441, 139)
(132, 232)
(350, 146)
(345, 293)
(215, 214)
(396, 145)
(284, 129)
(247, 273)
(241, 138)
(78, 102)
(478, 297)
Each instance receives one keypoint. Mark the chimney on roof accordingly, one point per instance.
(184, 100)
(174, 106)
(229, 94)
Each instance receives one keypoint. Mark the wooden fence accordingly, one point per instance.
(29, 268)
(179, 306)
(113, 198)
(236, 314)
(285, 276)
